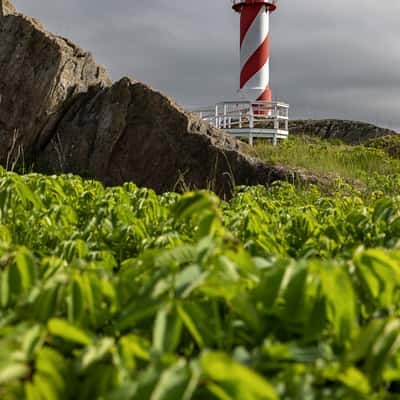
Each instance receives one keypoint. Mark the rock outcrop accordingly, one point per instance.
(60, 111)
(350, 132)
(129, 132)
(40, 76)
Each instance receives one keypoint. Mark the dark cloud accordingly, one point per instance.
(329, 59)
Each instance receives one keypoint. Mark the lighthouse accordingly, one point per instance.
(254, 115)
(254, 48)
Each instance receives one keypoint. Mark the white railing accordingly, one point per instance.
(259, 119)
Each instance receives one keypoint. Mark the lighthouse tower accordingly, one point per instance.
(255, 115)
(254, 48)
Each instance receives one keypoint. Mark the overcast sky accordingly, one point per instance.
(338, 59)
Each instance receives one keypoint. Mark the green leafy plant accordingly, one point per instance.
(118, 293)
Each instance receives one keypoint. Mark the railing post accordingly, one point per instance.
(225, 116)
(287, 119)
(251, 124)
(276, 117)
(276, 124)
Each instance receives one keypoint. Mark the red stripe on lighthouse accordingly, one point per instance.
(266, 95)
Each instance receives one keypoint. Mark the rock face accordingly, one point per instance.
(40, 75)
(129, 132)
(60, 111)
(351, 132)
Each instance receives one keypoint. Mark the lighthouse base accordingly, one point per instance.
(251, 120)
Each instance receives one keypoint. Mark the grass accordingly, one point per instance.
(330, 157)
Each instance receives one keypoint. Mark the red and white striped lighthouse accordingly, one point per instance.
(255, 115)
(254, 48)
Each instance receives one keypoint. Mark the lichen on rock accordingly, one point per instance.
(6, 7)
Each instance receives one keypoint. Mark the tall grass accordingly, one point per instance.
(329, 157)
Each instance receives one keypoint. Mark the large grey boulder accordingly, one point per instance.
(129, 132)
(40, 75)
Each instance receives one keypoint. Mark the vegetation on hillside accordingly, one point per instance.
(122, 294)
(377, 158)
(389, 144)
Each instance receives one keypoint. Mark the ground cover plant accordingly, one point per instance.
(389, 144)
(378, 157)
(117, 293)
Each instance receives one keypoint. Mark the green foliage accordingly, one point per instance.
(122, 294)
(389, 144)
(377, 158)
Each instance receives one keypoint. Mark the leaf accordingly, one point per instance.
(379, 274)
(270, 284)
(45, 387)
(131, 317)
(172, 383)
(46, 303)
(167, 330)
(12, 372)
(124, 391)
(4, 288)
(195, 203)
(50, 372)
(355, 380)
(96, 352)
(384, 209)
(208, 225)
(190, 326)
(67, 331)
(247, 310)
(26, 267)
(15, 281)
(363, 343)
(98, 381)
(31, 392)
(386, 345)
(188, 280)
(31, 341)
(87, 291)
(135, 347)
(26, 194)
(340, 300)
(294, 293)
(218, 392)
(238, 381)
(170, 258)
(76, 305)
(318, 319)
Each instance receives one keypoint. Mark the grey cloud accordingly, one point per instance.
(329, 59)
